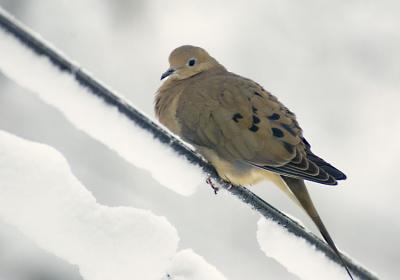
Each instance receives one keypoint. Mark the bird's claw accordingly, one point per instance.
(210, 182)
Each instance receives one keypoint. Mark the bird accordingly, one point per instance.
(243, 130)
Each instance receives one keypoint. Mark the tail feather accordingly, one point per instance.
(299, 190)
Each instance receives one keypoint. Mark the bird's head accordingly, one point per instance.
(187, 61)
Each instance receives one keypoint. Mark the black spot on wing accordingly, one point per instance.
(288, 129)
(236, 117)
(288, 147)
(253, 128)
(274, 117)
(277, 132)
(258, 94)
(254, 109)
(255, 119)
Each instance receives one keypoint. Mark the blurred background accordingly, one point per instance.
(336, 64)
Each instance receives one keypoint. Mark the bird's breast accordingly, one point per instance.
(165, 109)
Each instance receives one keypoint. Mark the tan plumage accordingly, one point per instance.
(243, 130)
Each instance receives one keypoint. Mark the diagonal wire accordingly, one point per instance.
(37, 45)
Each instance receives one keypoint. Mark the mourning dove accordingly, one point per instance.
(240, 128)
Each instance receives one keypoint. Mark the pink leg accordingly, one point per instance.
(210, 182)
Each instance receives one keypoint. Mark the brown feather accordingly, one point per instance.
(242, 129)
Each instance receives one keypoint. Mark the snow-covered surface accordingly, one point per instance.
(187, 265)
(87, 111)
(296, 254)
(41, 197)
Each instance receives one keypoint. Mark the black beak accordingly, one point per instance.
(167, 73)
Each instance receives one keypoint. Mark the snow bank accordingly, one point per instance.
(187, 265)
(40, 196)
(93, 116)
(296, 254)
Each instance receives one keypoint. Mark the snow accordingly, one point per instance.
(187, 265)
(41, 197)
(296, 254)
(92, 115)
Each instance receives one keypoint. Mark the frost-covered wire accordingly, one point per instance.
(41, 48)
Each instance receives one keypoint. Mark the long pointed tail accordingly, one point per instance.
(299, 190)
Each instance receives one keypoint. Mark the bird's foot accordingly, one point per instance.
(210, 182)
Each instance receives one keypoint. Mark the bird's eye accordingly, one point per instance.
(191, 62)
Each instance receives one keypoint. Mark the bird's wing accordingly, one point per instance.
(239, 120)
